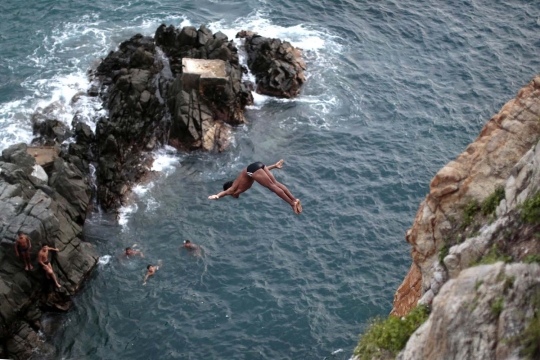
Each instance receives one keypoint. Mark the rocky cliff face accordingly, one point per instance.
(50, 207)
(473, 176)
(481, 314)
(476, 247)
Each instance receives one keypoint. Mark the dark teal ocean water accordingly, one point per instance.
(395, 90)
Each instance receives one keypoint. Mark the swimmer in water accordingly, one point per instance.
(196, 249)
(43, 259)
(131, 252)
(151, 271)
(260, 173)
(189, 245)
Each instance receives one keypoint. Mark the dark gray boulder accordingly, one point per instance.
(277, 65)
(52, 214)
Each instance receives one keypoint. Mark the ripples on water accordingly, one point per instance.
(394, 91)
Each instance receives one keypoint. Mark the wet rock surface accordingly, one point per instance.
(277, 65)
(153, 102)
(50, 211)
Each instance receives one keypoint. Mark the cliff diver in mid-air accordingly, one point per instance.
(260, 173)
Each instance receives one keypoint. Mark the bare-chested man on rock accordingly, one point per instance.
(260, 173)
(43, 259)
(22, 249)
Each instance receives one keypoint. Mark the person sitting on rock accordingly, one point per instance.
(23, 247)
(131, 252)
(151, 271)
(43, 259)
(260, 173)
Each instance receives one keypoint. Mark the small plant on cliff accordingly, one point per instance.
(443, 253)
(530, 209)
(530, 338)
(494, 255)
(497, 307)
(531, 259)
(492, 201)
(470, 211)
(389, 336)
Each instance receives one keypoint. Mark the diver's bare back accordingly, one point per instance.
(242, 183)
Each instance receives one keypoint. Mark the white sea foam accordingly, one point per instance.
(141, 189)
(319, 49)
(104, 260)
(124, 213)
(165, 160)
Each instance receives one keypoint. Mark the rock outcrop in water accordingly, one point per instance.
(277, 65)
(482, 208)
(181, 88)
(50, 207)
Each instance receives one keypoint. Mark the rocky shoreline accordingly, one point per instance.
(183, 88)
(475, 247)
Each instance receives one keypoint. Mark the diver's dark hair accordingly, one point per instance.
(19, 233)
(128, 248)
(148, 267)
(43, 245)
(187, 242)
(227, 185)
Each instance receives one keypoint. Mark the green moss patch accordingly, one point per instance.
(389, 336)
(530, 209)
(497, 307)
(469, 212)
(530, 338)
(494, 255)
(492, 201)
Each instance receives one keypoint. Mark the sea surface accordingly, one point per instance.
(395, 90)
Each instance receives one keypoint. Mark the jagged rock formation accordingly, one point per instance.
(221, 98)
(487, 163)
(277, 65)
(481, 314)
(50, 209)
(152, 102)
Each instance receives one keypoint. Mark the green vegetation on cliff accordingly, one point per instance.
(494, 255)
(531, 336)
(530, 210)
(389, 336)
(492, 201)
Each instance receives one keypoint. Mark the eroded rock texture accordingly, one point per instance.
(50, 210)
(486, 163)
(277, 65)
(152, 103)
(481, 314)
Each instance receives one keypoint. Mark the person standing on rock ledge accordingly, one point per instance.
(23, 247)
(260, 173)
(43, 259)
